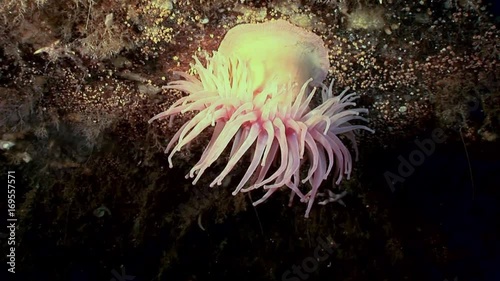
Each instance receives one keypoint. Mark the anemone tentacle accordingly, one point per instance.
(276, 120)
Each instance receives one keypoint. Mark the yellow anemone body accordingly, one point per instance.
(277, 52)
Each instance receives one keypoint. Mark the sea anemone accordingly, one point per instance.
(267, 115)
